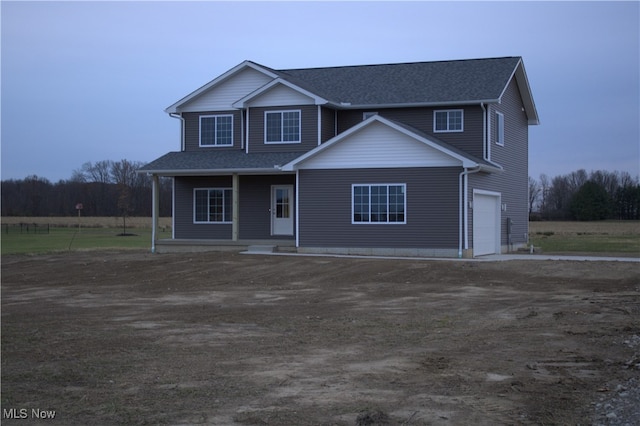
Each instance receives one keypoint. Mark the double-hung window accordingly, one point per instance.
(216, 130)
(379, 203)
(282, 126)
(212, 205)
(450, 120)
(500, 128)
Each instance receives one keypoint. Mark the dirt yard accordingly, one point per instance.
(99, 338)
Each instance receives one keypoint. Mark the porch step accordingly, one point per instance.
(261, 249)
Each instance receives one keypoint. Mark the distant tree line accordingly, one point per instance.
(113, 188)
(104, 188)
(585, 196)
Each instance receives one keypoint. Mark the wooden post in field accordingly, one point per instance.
(79, 208)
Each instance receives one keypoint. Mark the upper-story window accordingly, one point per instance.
(216, 130)
(282, 126)
(450, 120)
(500, 128)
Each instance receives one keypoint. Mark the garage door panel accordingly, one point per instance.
(486, 219)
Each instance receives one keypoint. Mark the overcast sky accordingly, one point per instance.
(89, 81)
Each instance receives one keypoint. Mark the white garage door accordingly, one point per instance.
(486, 224)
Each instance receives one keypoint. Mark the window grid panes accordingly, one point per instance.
(213, 205)
(282, 127)
(448, 121)
(361, 204)
(282, 203)
(379, 203)
(290, 126)
(216, 130)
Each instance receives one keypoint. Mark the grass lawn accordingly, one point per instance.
(68, 239)
(621, 237)
(610, 237)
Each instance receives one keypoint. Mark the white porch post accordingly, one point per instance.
(235, 207)
(155, 210)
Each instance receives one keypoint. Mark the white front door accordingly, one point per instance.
(282, 210)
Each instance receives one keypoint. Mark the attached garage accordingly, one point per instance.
(486, 222)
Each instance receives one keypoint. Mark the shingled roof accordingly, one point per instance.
(457, 82)
(194, 162)
(460, 81)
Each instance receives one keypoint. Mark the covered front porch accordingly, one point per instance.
(226, 199)
(228, 211)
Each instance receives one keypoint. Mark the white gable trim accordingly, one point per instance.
(525, 92)
(244, 102)
(442, 156)
(278, 95)
(174, 108)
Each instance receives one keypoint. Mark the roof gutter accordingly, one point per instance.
(348, 105)
(182, 141)
(202, 172)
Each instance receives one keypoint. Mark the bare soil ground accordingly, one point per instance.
(224, 338)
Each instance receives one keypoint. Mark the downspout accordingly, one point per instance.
(319, 125)
(182, 142)
(484, 132)
(246, 145)
(242, 128)
(463, 232)
(297, 200)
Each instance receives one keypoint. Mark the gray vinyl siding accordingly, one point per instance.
(431, 212)
(183, 214)
(308, 129)
(192, 130)
(513, 182)
(470, 140)
(255, 204)
(328, 129)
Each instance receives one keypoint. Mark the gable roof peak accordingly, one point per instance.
(243, 65)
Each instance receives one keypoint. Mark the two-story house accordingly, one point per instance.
(420, 159)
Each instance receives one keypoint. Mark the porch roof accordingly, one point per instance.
(189, 163)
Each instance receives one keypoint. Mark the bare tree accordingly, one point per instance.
(534, 193)
(544, 192)
(576, 179)
(123, 172)
(100, 172)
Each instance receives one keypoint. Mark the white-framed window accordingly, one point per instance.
(212, 205)
(216, 130)
(449, 120)
(368, 114)
(500, 128)
(379, 203)
(282, 126)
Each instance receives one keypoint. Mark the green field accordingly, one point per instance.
(602, 237)
(69, 239)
